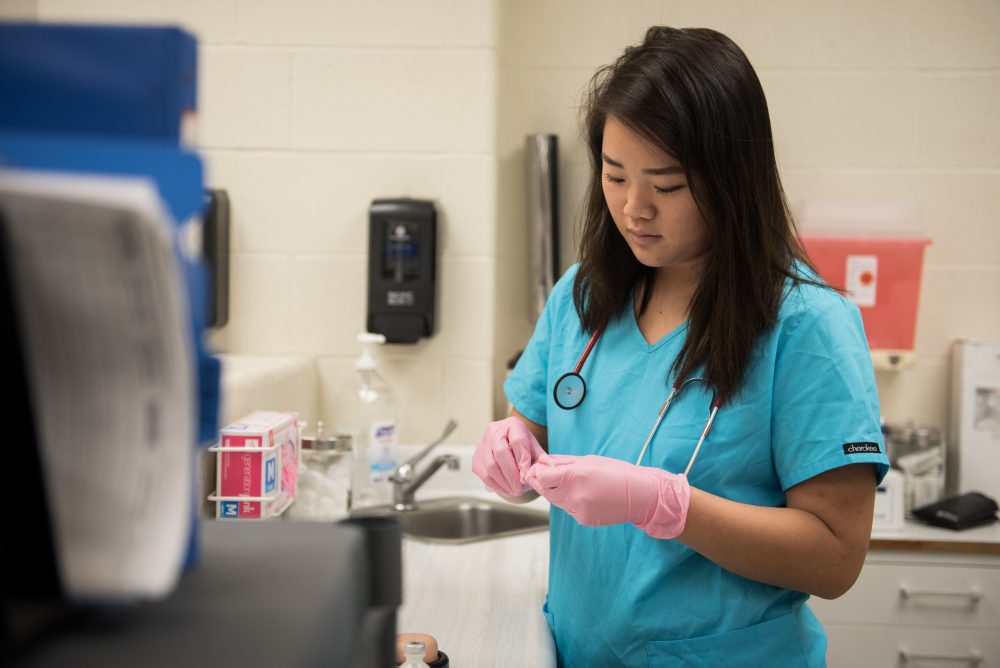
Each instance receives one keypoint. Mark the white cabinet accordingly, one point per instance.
(919, 603)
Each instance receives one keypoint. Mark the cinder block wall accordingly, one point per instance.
(312, 108)
(309, 110)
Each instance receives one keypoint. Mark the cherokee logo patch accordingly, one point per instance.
(862, 448)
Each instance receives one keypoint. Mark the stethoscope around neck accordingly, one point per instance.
(571, 389)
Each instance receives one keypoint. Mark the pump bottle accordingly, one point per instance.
(376, 449)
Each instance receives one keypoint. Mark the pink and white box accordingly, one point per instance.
(257, 460)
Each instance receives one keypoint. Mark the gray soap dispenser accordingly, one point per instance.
(402, 269)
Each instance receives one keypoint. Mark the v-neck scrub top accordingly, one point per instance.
(808, 404)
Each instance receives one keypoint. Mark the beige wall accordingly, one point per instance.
(308, 110)
(18, 10)
(869, 101)
(312, 108)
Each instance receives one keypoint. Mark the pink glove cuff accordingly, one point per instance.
(668, 514)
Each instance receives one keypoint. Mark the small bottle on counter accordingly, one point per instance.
(432, 656)
(324, 477)
(414, 653)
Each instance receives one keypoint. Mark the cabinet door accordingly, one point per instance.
(933, 595)
(888, 647)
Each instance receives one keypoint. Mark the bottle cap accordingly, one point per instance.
(429, 643)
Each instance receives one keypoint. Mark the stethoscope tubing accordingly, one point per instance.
(675, 390)
(575, 377)
(586, 351)
(659, 418)
(704, 435)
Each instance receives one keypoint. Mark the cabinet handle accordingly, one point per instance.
(973, 658)
(974, 595)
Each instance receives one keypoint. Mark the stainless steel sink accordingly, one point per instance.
(457, 520)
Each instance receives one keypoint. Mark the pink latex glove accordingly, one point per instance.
(505, 453)
(598, 491)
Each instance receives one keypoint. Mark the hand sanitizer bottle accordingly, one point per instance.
(376, 446)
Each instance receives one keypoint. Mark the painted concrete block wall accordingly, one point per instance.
(869, 101)
(311, 108)
(18, 10)
(308, 111)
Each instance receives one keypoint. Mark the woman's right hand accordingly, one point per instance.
(505, 453)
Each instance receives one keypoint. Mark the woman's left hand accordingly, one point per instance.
(598, 491)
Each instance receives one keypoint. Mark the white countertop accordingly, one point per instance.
(913, 530)
(481, 601)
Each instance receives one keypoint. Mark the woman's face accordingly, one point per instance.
(648, 196)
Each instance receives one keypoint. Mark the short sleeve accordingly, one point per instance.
(526, 386)
(825, 410)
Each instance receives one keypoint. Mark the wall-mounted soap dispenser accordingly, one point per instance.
(402, 269)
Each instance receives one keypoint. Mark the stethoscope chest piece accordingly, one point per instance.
(570, 388)
(569, 391)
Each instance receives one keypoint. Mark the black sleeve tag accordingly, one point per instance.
(862, 448)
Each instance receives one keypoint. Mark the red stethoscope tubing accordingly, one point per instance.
(586, 351)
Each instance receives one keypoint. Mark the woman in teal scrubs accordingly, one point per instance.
(690, 269)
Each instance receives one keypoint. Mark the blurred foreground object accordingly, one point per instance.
(99, 321)
(263, 594)
(104, 298)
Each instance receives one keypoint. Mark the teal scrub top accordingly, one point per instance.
(809, 404)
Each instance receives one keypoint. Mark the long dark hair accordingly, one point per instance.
(694, 95)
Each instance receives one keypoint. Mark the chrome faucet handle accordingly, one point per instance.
(405, 471)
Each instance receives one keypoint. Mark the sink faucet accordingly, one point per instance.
(405, 485)
(403, 490)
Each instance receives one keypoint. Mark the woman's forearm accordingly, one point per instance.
(785, 547)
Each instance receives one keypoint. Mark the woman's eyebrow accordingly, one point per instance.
(656, 171)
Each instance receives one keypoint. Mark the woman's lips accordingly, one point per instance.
(642, 239)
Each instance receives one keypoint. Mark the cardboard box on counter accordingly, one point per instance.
(258, 459)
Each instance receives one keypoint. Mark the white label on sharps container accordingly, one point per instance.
(862, 279)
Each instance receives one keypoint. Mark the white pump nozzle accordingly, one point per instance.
(367, 361)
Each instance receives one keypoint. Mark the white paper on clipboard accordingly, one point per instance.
(107, 346)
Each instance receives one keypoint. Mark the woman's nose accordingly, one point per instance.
(638, 205)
